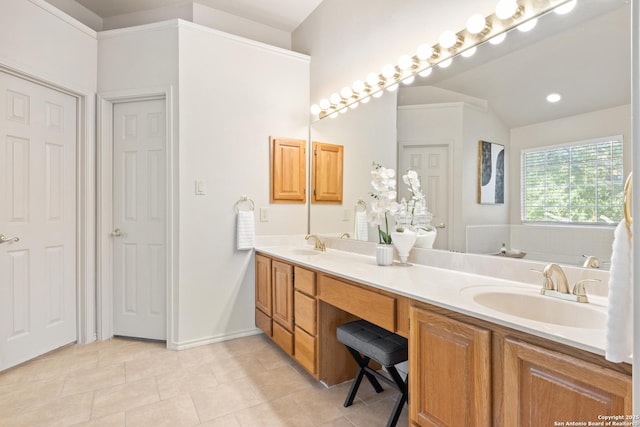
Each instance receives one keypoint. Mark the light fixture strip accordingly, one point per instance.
(392, 75)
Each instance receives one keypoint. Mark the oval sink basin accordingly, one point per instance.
(543, 309)
(301, 251)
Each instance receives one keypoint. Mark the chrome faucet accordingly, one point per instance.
(562, 285)
(591, 262)
(560, 289)
(319, 244)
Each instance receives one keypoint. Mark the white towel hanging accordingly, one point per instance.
(246, 230)
(619, 344)
(361, 229)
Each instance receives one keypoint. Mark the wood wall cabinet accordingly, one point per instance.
(327, 173)
(450, 372)
(542, 387)
(288, 170)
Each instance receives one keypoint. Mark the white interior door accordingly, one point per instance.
(139, 217)
(431, 162)
(37, 220)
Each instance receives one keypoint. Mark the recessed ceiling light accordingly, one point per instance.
(554, 97)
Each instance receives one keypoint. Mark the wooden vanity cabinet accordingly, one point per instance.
(306, 319)
(263, 294)
(449, 371)
(542, 387)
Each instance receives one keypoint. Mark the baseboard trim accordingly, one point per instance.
(212, 340)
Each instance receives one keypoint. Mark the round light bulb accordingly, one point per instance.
(388, 71)
(354, 105)
(445, 63)
(393, 87)
(373, 79)
(408, 80)
(315, 109)
(476, 23)
(469, 52)
(378, 94)
(405, 62)
(498, 39)
(365, 100)
(325, 104)
(565, 8)
(358, 86)
(426, 72)
(505, 9)
(424, 52)
(528, 26)
(554, 97)
(346, 92)
(334, 115)
(335, 99)
(448, 39)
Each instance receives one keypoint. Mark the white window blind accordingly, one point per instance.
(573, 183)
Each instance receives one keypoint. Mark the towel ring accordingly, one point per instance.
(243, 199)
(361, 204)
(626, 209)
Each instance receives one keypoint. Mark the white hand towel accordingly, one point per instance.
(361, 229)
(246, 230)
(619, 345)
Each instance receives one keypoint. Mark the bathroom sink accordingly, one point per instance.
(529, 304)
(301, 251)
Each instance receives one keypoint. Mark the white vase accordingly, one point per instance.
(384, 254)
(403, 241)
(425, 239)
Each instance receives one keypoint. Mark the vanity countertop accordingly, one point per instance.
(449, 289)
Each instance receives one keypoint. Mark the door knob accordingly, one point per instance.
(4, 239)
(441, 225)
(116, 233)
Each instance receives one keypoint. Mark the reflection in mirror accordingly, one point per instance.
(498, 95)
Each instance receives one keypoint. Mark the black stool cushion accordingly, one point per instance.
(377, 343)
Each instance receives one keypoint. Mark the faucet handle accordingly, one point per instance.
(579, 290)
(547, 281)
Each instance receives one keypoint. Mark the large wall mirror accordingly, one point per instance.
(498, 95)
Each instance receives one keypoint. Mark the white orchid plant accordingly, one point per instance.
(416, 206)
(384, 186)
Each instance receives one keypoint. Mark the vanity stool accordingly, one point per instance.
(366, 341)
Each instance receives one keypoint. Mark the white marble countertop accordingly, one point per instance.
(449, 289)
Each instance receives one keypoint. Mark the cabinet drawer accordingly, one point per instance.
(283, 338)
(305, 281)
(263, 322)
(305, 312)
(306, 350)
(369, 305)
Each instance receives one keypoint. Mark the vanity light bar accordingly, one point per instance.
(479, 30)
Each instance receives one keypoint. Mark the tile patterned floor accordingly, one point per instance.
(243, 382)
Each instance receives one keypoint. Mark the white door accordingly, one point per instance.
(431, 162)
(37, 220)
(139, 241)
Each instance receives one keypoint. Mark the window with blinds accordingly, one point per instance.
(574, 183)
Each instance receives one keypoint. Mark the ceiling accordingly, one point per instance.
(284, 15)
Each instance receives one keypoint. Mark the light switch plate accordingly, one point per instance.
(264, 215)
(201, 187)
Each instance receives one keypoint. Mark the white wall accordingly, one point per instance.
(39, 40)
(175, 11)
(234, 94)
(368, 134)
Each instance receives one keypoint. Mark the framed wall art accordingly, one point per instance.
(490, 173)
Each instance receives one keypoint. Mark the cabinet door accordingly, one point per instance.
(327, 173)
(449, 372)
(542, 387)
(263, 284)
(288, 170)
(282, 281)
